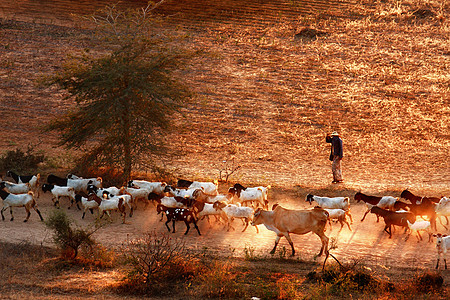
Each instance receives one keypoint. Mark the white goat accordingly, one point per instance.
(19, 200)
(245, 196)
(210, 188)
(107, 205)
(201, 196)
(334, 202)
(338, 214)
(16, 188)
(419, 226)
(442, 246)
(136, 194)
(127, 200)
(60, 191)
(153, 187)
(86, 203)
(236, 212)
(203, 209)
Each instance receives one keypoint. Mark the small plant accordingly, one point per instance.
(249, 253)
(68, 239)
(227, 168)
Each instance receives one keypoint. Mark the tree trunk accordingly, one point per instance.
(127, 159)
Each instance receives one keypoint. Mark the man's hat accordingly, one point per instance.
(335, 133)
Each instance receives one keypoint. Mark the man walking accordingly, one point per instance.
(336, 155)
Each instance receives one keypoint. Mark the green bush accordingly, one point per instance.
(68, 239)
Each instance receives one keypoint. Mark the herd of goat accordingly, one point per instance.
(190, 201)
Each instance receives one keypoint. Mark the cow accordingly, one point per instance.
(285, 221)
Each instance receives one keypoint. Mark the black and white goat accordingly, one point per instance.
(255, 196)
(80, 184)
(60, 191)
(18, 200)
(107, 205)
(32, 180)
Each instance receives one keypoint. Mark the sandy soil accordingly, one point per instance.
(366, 242)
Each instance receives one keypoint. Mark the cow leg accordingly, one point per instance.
(277, 240)
(445, 263)
(324, 240)
(288, 237)
(437, 264)
(3, 217)
(11, 213)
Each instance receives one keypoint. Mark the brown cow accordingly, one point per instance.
(284, 221)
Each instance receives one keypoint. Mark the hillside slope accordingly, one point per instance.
(266, 98)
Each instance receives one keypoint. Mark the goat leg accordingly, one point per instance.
(28, 215)
(246, 224)
(39, 213)
(187, 227)
(167, 225)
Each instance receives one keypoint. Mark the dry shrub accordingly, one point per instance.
(21, 161)
(156, 262)
(219, 281)
(341, 280)
(428, 282)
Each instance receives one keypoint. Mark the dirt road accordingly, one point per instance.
(366, 242)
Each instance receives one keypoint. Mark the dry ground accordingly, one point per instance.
(380, 77)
